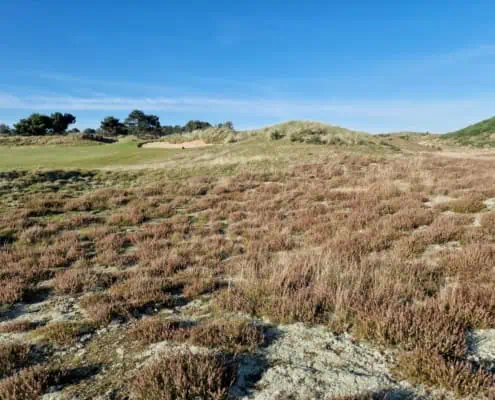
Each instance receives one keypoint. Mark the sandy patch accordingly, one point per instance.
(312, 363)
(490, 204)
(485, 155)
(435, 200)
(186, 145)
(483, 344)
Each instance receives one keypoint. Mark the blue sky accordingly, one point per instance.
(370, 65)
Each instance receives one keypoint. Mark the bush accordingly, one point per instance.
(185, 375)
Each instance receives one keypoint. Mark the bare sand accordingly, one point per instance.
(186, 145)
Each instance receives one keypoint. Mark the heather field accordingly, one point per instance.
(264, 269)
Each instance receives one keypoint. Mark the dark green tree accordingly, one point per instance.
(60, 122)
(170, 130)
(5, 129)
(196, 125)
(89, 131)
(34, 125)
(140, 123)
(227, 124)
(112, 126)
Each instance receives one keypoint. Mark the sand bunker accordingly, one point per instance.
(186, 145)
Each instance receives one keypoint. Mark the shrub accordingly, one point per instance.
(63, 333)
(462, 376)
(74, 281)
(184, 375)
(18, 326)
(226, 335)
(154, 330)
(28, 384)
(13, 356)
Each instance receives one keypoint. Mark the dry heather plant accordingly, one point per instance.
(132, 295)
(78, 280)
(184, 375)
(472, 203)
(154, 330)
(357, 242)
(22, 325)
(462, 376)
(28, 384)
(226, 335)
(380, 395)
(63, 333)
(13, 357)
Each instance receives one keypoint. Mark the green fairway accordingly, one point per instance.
(85, 157)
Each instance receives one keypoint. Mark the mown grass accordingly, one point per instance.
(83, 157)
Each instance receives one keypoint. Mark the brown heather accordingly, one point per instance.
(62, 333)
(184, 375)
(17, 326)
(226, 335)
(28, 384)
(13, 357)
(362, 243)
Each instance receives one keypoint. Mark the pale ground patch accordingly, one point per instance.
(434, 249)
(486, 155)
(434, 200)
(186, 145)
(477, 220)
(483, 343)
(346, 189)
(490, 204)
(302, 362)
(57, 309)
(312, 363)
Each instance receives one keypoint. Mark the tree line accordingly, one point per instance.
(137, 123)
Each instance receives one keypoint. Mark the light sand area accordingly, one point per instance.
(186, 145)
(486, 155)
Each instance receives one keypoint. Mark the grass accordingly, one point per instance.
(253, 148)
(480, 134)
(210, 136)
(287, 231)
(55, 140)
(314, 132)
(83, 157)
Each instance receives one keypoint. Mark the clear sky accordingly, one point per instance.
(370, 65)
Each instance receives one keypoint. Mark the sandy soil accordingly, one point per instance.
(186, 145)
(487, 155)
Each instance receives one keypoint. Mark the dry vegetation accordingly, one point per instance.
(357, 243)
(54, 140)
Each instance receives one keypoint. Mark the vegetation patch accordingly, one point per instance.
(185, 375)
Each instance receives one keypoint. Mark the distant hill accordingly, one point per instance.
(320, 133)
(481, 134)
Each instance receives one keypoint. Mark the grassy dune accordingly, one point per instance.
(481, 134)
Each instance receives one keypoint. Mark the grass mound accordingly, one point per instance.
(481, 134)
(315, 133)
(211, 136)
